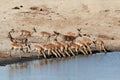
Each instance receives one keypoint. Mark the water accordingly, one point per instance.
(99, 66)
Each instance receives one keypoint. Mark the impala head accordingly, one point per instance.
(10, 36)
(12, 31)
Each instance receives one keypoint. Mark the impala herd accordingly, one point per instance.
(61, 45)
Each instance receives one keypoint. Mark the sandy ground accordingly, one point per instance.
(95, 17)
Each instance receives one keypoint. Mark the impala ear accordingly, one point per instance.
(79, 29)
(80, 35)
(34, 29)
(12, 30)
(55, 32)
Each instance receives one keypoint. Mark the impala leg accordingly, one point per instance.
(88, 47)
(11, 50)
(49, 52)
(22, 50)
(82, 51)
(57, 53)
(21, 53)
(26, 50)
(43, 54)
(100, 48)
(39, 54)
(66, 52)
(61, 52)
(71, 52)
(54, 53)
(85, 50)
(104, 48)
(76, 49)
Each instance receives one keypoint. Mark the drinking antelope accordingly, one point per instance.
(86, 40)
(100, 43)
(59, 46)
(66, 48)
(50, 48)
(82, 45)
(77, 48)
(40, 50)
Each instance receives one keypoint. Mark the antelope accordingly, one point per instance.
(83, 45)
(26, 32)
(16, 46)
(59, 46)
(100, 43)
(40, 50)
(56, 48)
(22, 40)
(66, 48)
(66, 37)
(46, 34)
(50, 48)
(85, 37)
(77, 48)
(86, 40)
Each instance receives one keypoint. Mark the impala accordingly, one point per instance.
(100, 43)
(77, 48)
(87, 40)
(50, 48)
(40, 50)
(27, 33)
(82, 45)
(66, 48)
(15, 46)
(66, 37)
(20, 40)
(60, 47)
(46, 35)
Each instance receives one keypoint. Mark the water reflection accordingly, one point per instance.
(97, 66)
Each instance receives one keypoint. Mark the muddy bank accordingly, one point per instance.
(16, 59)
